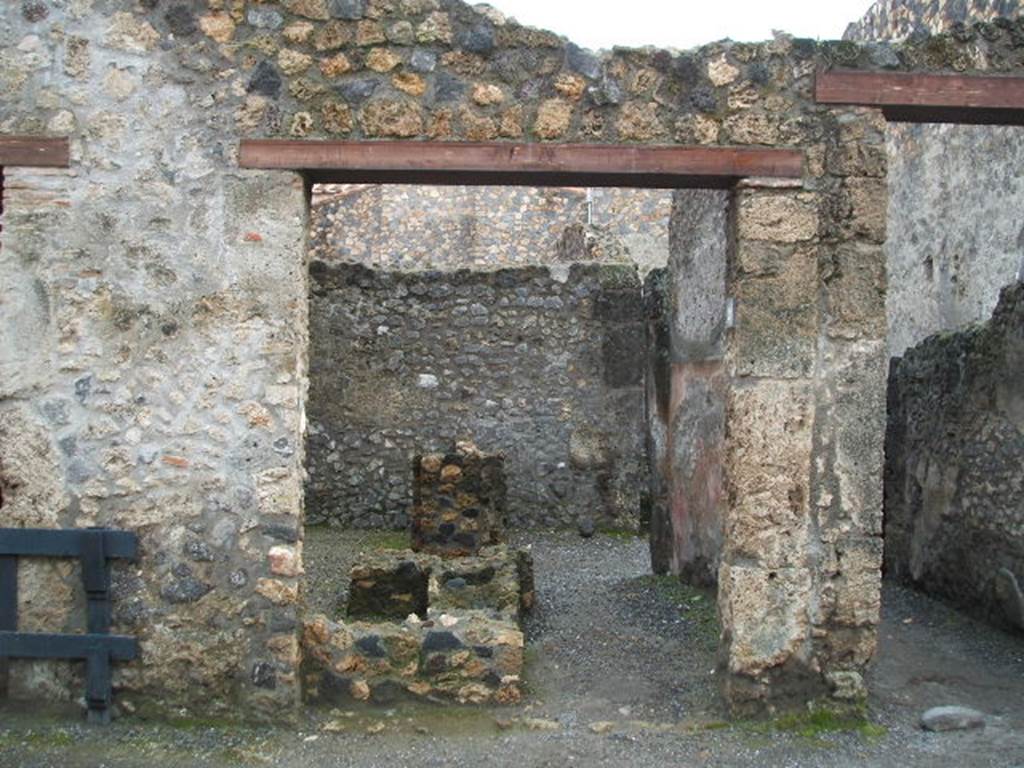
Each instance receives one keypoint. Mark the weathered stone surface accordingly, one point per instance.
(388, 588)
(897, 19)
(424, 625)
(370, 33)
(951, 245)
(347, 9)
(553, 118)
(686, 389)
(954, 449)
(156, 352)
(331, 36)
(458, 501)
(410, 83)
(385, 117)
(477, 660)
(486, 94)
(640, 122)
(335, 66)
(435, 29)
(589, 463)
(311, 9)
(293, 62)
(382, 60)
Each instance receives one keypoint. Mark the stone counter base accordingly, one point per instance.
(394, 584)
(459, 641)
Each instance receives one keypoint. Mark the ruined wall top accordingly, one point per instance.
(899, 19)
(432, 69)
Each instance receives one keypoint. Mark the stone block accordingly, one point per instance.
(422, 625)
(458, 501)
(776, 332)
(769, 516)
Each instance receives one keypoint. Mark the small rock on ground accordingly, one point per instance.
(941, 719)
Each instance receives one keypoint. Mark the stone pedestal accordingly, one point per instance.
(458, 501)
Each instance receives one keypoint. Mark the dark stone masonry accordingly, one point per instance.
(541, 364)
(439, 621)
(954, 494)
(458, 501)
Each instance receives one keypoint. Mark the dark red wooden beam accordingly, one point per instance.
(34, 151)
(909, 97)
(520, 164)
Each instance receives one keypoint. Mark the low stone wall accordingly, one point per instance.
(542, 366)
(954, 487)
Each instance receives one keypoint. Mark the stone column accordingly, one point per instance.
(799, 582)
(688, 425)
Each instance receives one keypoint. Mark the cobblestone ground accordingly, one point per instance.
(620, 669)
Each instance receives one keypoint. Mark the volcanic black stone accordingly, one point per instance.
(478, 39)
(185, 588)
(34, 10)
(181, 20)
(265, 80)
(264, 675)
(281, 532)
(347, 9)
(371, 646)
(582, 61)
(448, 87)
(441, 641)
(358, 90)
(703, 99)
(759, 73)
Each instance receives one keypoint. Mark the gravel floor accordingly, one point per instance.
(620, 670)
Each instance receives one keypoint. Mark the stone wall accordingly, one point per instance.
(154, 306)
(954, 490)
(421, 227)
(955, 234)
(542, 365)
(898, 19)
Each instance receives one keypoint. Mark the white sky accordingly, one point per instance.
(683, 23)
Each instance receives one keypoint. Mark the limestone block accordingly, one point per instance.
(768, 516)
(764, 616)
(778, 217)
(776, 332)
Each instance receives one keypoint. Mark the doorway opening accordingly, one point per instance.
(538, 323)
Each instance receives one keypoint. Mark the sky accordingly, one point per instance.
(683, 23)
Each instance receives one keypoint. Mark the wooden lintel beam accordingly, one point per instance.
(506, 163)
(912, 97)
(34, 151)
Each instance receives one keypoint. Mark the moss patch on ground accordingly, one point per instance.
(814, 725)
